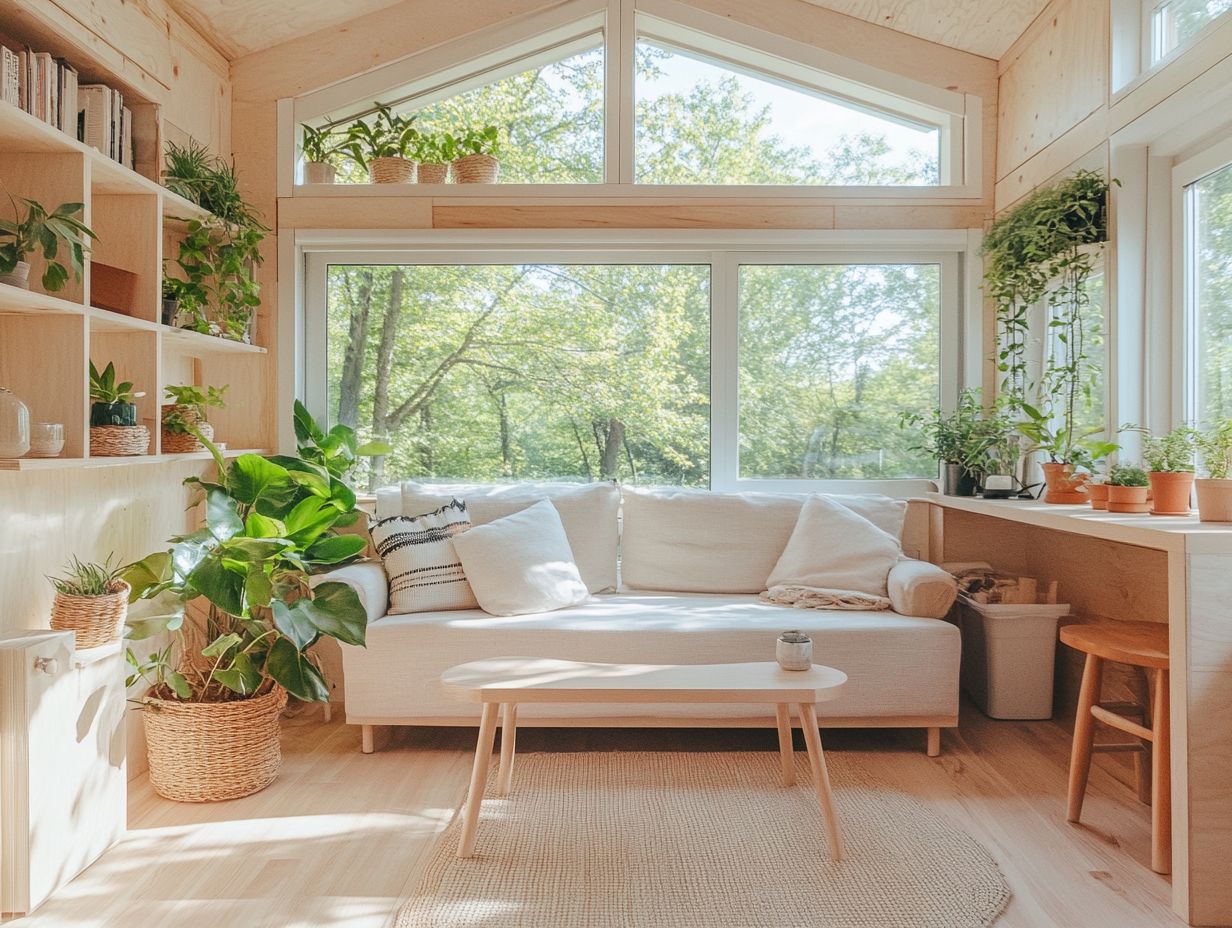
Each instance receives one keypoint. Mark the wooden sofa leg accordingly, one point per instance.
(934, 742)
(366, 734)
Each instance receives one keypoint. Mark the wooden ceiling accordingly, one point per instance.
(983, 27)
(240, 27)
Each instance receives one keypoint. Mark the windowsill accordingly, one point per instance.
(893, 195)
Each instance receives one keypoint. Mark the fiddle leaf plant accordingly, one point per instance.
(43, 232)
(269, 527)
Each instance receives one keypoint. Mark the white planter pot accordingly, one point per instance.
(318, 172)
(1214, 500)
(20, 276)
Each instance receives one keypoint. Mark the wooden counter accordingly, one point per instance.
(1171, 569)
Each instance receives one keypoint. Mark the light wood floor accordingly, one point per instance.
(339, 838)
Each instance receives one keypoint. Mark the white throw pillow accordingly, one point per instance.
(522, 563)
(418, 554)
(587, 510)
(834, 548)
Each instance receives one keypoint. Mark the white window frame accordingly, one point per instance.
(498, 51)
(1184, 326)
(724, 251)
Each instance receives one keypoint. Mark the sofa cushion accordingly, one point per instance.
(522, 563)
(420, 560)
(897, 665)
(706, 542)
(588, 512)
(834, 548)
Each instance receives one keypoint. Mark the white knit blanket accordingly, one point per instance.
(808, 597)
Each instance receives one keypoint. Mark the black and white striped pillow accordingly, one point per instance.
(417, 552)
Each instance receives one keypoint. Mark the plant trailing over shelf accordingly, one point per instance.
(41, 232)
(1045, 249)
(191, 407)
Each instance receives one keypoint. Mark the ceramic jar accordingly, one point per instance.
(794, 650)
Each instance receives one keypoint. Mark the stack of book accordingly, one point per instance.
(47, 88)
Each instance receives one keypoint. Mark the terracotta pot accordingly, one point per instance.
(1064, 486)
(1128, 499)
(319, 172)
(1171, 492)
(1214, 500)
(391, 171)
(1097, 493)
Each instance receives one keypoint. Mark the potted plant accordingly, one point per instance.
(41, 232)
(186, 419)
(954, 441)
(114, 430)
(1097, 491)
(383, 146)
(216, 691)
(1128, 488)
(476, 159)
(91, 601)
(176, 294)
(317, 146)
(1170, 461)
(433, 152)
(1215, 490)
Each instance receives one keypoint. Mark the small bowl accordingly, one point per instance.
(46, 439)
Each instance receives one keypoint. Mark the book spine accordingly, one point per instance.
(10, 76)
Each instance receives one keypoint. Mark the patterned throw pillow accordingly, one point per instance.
(417, 552)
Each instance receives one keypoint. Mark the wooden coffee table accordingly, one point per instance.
(501, 683)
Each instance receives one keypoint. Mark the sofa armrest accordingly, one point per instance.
(921, 589)
(367, 579)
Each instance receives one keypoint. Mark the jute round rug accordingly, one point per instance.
(711, 840)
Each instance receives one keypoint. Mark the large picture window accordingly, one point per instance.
(1208, 278)
(1175, 22)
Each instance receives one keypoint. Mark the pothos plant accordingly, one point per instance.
(270, 524)
(1045, 250)
(219, 261)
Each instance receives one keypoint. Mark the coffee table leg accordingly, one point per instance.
(783, 713)
(509, 733)
(479, 778)
(821, 779)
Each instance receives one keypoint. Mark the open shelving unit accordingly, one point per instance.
(113, 313)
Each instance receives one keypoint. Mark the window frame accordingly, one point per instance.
(491, 53)
(724, 252)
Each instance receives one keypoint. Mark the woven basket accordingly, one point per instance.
(94, 620)
(428, 173)
(391, 171)
(476, 169)
(210, 751)
(109, 441)
(184, 442)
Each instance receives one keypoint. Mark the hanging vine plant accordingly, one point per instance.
(1041, 250)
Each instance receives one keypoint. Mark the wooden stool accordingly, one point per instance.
(1144, 646)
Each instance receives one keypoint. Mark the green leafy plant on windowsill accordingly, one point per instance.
(471, 141)
(1170, 453)
(385, 135)
(1215, 448)
(1125, 475)
(320, 145)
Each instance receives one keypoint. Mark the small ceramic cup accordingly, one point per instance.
(794, 650)
(46, 439)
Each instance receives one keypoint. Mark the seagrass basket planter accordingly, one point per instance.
(109, 441)
(430, 173)
(184, 442)
(391, 170)
(211, 751)
(94, 620)
(476, 169)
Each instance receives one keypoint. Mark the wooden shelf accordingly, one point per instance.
(186, 341)
(177, 211)
(16, 300)
(104, 320)
(14, 464)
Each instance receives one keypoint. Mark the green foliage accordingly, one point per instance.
(104, 389)
(83, 578)
(211, 182)
(219, 262)
(1215, 447)
(41, 232)
(434, 148)
(336, 452)
(1172, 452)
(1037, 250)
(197, 400)
(187, 169)
(269, 527)
(386, 135)
(1060, 442)
(1123, 475)
(318, 145)
(471, 141)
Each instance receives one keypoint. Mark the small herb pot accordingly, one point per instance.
(476, 169)
(18, 277)
(430, 172)
(1214, 500)
(1128, 499)
(1171, 492)
(113, 414)
(319, 172)
(391, 170)
(1098, 494)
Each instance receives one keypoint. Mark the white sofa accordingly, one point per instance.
(691, 565)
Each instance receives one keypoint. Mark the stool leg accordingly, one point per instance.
(1142, 761)
(1161, 778)
(1084, 736)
